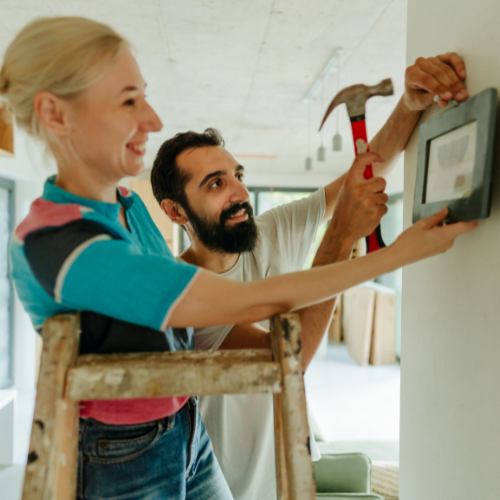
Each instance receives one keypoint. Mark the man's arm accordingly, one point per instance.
(314, 319)
(442, 76)
(360, 206)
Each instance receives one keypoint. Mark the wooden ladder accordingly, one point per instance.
(66, 378)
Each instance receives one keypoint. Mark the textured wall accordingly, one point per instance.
(450, 405)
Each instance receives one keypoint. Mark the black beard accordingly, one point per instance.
(221, 237)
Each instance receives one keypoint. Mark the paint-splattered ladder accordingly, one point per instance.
(66, 378)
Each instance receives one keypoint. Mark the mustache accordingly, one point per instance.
(234, 209)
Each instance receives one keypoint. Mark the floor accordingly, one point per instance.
(356, 409)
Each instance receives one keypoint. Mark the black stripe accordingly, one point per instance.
(47, 249)
(104, 335)
(358, 118)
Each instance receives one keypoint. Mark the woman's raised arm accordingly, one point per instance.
(213, 300)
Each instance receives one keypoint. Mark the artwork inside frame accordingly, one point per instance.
(451, 164)
(455, 156)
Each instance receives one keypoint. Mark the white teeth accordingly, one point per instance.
(238, 214)
(138, 147)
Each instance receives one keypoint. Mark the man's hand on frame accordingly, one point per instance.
(435, 76)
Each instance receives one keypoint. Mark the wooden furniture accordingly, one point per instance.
(335, 328)
(359, 305)
(370, 324)
(383, 348)
(66, 378)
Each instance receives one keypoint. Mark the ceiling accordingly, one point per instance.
(245, 66)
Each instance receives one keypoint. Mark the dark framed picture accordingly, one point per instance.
(455, 157)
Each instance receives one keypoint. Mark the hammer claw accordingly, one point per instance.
(331, 107)
(356, 96)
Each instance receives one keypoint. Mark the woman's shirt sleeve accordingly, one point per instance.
(83, 267)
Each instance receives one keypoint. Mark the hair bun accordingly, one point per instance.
(4, 85)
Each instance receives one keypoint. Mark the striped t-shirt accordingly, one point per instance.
(73, 254)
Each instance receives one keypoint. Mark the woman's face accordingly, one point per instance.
(110, 121)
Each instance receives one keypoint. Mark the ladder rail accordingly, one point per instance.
(66, 378)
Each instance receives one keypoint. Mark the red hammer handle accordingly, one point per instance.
(358, 124)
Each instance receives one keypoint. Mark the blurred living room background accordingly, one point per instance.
(263, 73)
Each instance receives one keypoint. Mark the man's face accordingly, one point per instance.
(218, 207)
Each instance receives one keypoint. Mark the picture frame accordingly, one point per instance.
(455, 159)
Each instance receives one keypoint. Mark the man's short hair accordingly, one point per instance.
(167, 179)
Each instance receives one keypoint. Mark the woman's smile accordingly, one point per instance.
(138, 148)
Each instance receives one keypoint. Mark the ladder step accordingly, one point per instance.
(153, 375)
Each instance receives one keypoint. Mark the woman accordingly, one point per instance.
(88, 246)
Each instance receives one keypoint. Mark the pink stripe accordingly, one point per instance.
(131, 411)
(124, 192)
(45, 213)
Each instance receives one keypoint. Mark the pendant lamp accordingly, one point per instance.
(337, 138)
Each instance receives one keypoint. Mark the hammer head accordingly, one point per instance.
(356, 96)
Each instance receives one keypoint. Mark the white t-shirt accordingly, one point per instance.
(241, 427)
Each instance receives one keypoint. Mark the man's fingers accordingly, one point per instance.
(361, 161)
(422, 77)
(434, 77)
(453, 59)
(368, 158)
(438, 76)
(443, 74)
(419, 79)
(380, 199)
(456, 85)
(375, 185)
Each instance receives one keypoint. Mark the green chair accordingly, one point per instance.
(345, 476)
(350, 496)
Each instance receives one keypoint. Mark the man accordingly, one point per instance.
(200, 186)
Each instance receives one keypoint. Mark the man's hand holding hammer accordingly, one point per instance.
(358, 204)
(440, 76)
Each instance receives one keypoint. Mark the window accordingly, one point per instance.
(6, 290)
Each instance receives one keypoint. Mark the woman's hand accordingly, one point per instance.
(429, 237)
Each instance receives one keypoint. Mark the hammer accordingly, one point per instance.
(355, 98)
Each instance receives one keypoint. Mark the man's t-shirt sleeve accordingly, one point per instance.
(210, 337)
(84, 268)
(292, 228)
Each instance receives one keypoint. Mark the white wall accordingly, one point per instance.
(28, 169)
(450, 391)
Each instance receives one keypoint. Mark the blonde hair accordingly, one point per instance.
(61, 55)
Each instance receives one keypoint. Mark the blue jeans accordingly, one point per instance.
(171, 458)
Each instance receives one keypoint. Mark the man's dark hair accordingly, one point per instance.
(167, 179)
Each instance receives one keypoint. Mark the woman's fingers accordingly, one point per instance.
(458, 228)
(435, 219)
